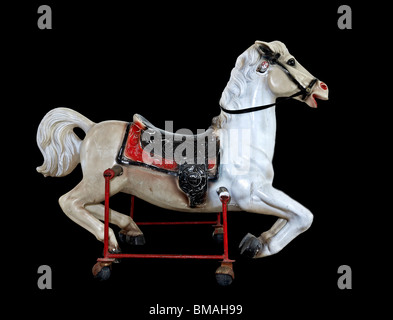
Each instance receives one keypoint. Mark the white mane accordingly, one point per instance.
(241, 74)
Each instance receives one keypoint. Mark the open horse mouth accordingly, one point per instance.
(312, 100)
(320, 91)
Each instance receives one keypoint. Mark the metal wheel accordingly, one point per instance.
(101, 272)
(224, 279)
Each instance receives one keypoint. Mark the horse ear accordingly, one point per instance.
(264, 48)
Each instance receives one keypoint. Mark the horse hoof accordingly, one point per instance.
(115, 251)
(122, 237)
(138, 240)
(250, 246)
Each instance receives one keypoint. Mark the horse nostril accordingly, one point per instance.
(323, 86)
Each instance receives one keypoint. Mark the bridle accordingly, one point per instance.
(303, 91)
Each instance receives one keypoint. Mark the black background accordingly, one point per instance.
(171, 62)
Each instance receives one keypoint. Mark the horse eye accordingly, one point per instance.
(291, 62)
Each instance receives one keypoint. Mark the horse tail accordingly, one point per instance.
(58, 142)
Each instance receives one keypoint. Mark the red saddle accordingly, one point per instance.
(146, 145)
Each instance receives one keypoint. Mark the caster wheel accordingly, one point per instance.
(218, 235)
(218, 238)
(101, 271)
(224, 279)
(225, 274)
(104, 274)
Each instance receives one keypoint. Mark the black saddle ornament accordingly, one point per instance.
(193, 182)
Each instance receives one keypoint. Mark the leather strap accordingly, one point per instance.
(258, 108)
(304, 91)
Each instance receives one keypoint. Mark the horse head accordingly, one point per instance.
(286, 77)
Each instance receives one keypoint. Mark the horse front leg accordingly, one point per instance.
(293, 220)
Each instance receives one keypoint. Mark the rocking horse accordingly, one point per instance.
(139, 159)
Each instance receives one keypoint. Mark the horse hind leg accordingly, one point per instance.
(129, 233)
(73, 205)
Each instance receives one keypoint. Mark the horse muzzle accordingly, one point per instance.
(319, 91)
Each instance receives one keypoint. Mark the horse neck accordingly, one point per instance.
(259, 126)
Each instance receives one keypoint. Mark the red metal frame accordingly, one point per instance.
(109, 257)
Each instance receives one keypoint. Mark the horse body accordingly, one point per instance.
(246, 148)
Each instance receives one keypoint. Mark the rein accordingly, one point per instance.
(304, 91)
